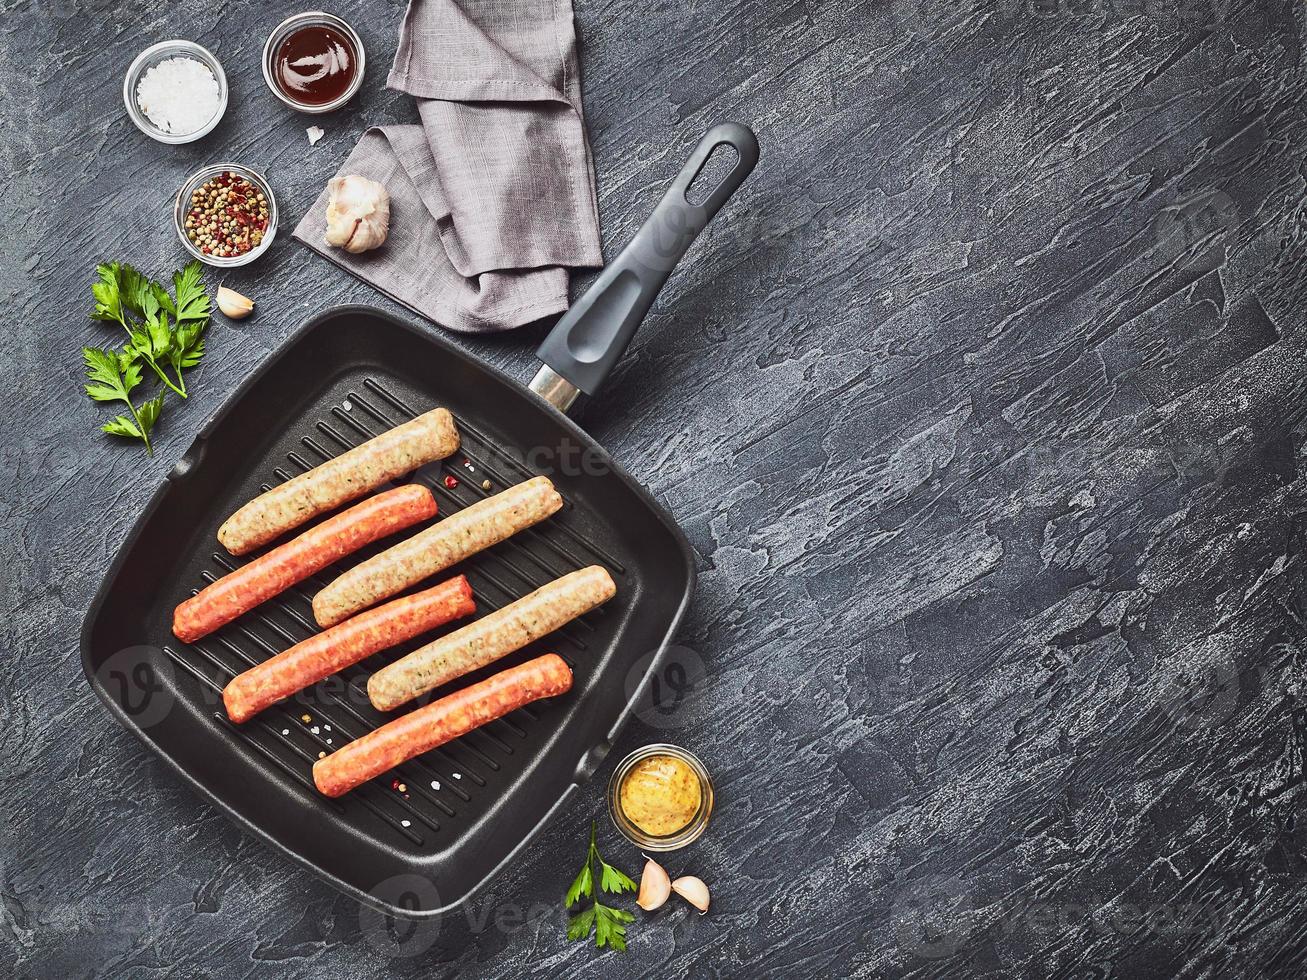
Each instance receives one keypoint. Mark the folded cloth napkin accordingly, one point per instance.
(492, 196)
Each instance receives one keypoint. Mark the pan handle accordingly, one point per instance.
(588, 339)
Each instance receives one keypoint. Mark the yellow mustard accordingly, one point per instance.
(660, 795)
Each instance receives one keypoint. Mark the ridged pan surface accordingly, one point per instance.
(469, 806)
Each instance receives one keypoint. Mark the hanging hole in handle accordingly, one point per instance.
(720, 162)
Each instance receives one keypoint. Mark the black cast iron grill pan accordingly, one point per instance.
(348, 374)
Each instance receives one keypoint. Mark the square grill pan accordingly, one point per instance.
(347, 375)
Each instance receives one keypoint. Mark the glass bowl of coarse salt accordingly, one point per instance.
(175, 91)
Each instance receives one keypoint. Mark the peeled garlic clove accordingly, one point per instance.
(233, 304)
(693, 891)
(358, 213)
(655, 886)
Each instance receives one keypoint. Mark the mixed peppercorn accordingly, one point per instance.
(228, 216)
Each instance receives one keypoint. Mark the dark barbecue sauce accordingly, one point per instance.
(315, 65)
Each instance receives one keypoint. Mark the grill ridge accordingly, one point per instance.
(531, 557)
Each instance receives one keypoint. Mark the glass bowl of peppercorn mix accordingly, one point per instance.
(226, 215)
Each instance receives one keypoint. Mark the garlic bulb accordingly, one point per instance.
(693, 891)
(655, 886)
(358, 213)
(233, 304)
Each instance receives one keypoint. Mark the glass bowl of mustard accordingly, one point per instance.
(660, 797)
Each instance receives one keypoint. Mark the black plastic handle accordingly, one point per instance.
(588, 340)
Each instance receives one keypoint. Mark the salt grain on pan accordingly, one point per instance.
(457, 776)
(179, 95)
(435, 784)
(406, 823)
(346, 405)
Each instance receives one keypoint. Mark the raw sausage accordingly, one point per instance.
(325, 653)
(497, 634)
(268, 575)
(489, 638)
(439, 722)
(440, 546)
(337, 481)
(436, 548)
(395, 742)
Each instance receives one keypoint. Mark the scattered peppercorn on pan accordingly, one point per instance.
(454, 816)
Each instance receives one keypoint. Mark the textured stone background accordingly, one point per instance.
(982, 406)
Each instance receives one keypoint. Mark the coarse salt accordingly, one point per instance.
(179, 95)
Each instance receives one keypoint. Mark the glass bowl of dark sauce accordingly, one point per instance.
(313, 62)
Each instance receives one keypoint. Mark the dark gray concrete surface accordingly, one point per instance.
(982, 406)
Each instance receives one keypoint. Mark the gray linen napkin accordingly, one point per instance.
(492, 196)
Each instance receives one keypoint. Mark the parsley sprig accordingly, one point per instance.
(163, 331)
(607, 923)
(114, 375)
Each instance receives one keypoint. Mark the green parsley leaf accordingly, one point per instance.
(120, 426)
(149, 413)
(148, 344)
(134, 289)
(579, 925)
(609, 926)
(191, 310)
(583, 885)
(187, 344)
(106, 368)
(160, 334)
(192, 302)
(613, 880)
(103, 393)
(114, 376)
(608, 923)
(108, 302)
(145, 301)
